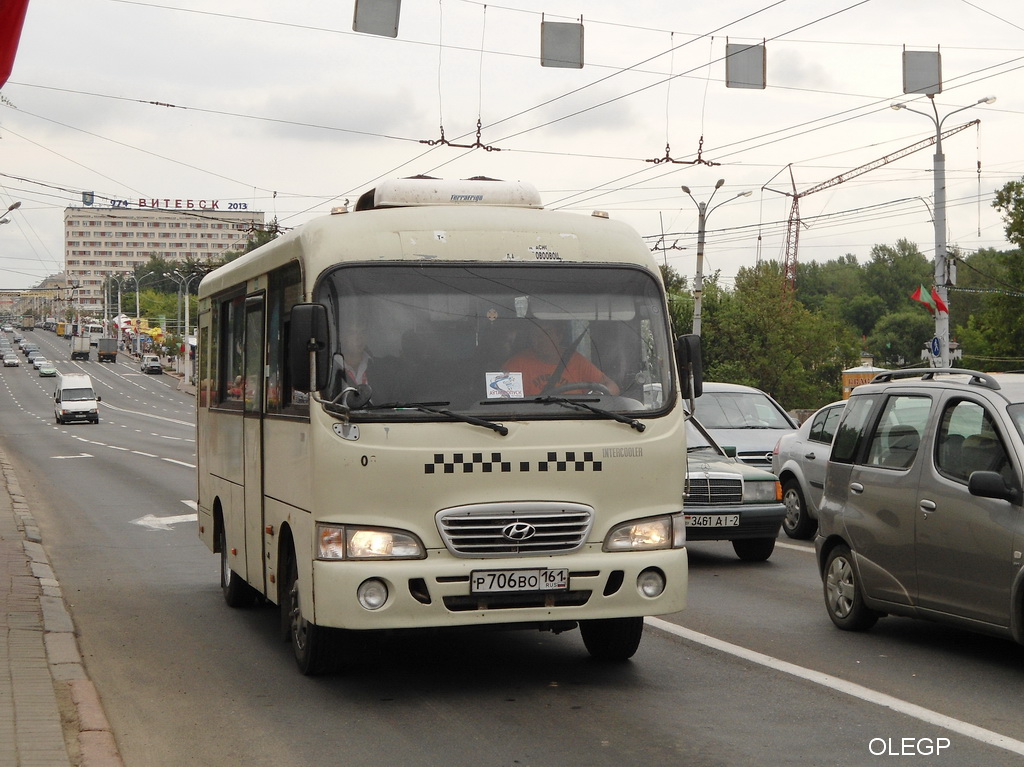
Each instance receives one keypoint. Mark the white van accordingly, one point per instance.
(75, 400)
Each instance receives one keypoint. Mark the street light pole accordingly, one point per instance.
(183, 281)
(136, 342)
(944, 275)
(702, 217)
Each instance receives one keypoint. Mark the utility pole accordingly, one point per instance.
(944, 276)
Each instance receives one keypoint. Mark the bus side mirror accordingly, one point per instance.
(691, 366)
(309, 338)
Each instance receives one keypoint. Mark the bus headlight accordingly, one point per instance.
(356, 542)
(665, 532)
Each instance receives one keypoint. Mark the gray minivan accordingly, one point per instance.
(923, 509)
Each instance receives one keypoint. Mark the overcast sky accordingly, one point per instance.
(283, 107)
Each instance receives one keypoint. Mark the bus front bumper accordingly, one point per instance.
(437, 591)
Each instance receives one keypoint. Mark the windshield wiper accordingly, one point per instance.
(580, 404)
(438, 408)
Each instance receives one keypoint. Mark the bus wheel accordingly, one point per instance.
(237, 593)
(612, 638)
(310, 643)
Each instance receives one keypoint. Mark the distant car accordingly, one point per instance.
(799, 462)
(11, 361)
(151, 364)
(47, 370)
(744, 418)
(38, 361)
(27, 349)
(33, 354)
(727, 500)
(923, 510)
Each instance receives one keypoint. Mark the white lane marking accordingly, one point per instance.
(149, 415)
(154, 522)
(849, 688)
(65, 457)
(180, 463)
(794, 547)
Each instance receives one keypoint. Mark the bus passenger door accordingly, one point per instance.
(252, 440)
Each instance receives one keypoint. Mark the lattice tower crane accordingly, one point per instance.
(793, 225)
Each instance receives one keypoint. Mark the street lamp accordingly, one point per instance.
(183, 281)
(135, 276)
(944, 276)
(703, 212)
(12, 206)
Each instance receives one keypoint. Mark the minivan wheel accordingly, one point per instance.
(844, 598)
(798, 524)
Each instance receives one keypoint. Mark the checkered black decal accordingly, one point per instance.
(487, 463)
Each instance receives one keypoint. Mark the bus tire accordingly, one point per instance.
(237, 593)
(311, 644)
(615, 639)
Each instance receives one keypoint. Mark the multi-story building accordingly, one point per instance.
(100, 242)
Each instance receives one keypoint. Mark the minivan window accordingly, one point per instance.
(851, 429)
(968, 441)
(897, 438)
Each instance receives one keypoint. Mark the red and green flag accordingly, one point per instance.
(923, 297)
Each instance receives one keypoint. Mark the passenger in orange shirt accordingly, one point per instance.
(546, 351)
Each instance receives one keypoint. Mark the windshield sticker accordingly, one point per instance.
(544, 253)
(502, 385)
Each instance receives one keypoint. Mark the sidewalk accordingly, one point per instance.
(50, 713)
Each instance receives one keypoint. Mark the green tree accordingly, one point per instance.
(894, 272)
(899, 337)
(759, 336)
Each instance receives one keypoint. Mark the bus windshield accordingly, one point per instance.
(500, 340)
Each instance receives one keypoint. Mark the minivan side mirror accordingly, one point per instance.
(691, 365)
(990, 484)
(309, 359)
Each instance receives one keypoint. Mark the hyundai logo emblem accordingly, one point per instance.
(519, 531)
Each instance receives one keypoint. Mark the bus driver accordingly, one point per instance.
(547, 352)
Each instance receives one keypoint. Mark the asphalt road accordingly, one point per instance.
(751, 673)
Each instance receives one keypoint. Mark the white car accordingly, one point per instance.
(11, 361)
(799, 461)
(38, 362)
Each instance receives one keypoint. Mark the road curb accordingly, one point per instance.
(97, 746)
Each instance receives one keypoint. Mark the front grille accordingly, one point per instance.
(710, 491)
(470, 602)
(762, 459)
(505, 529)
